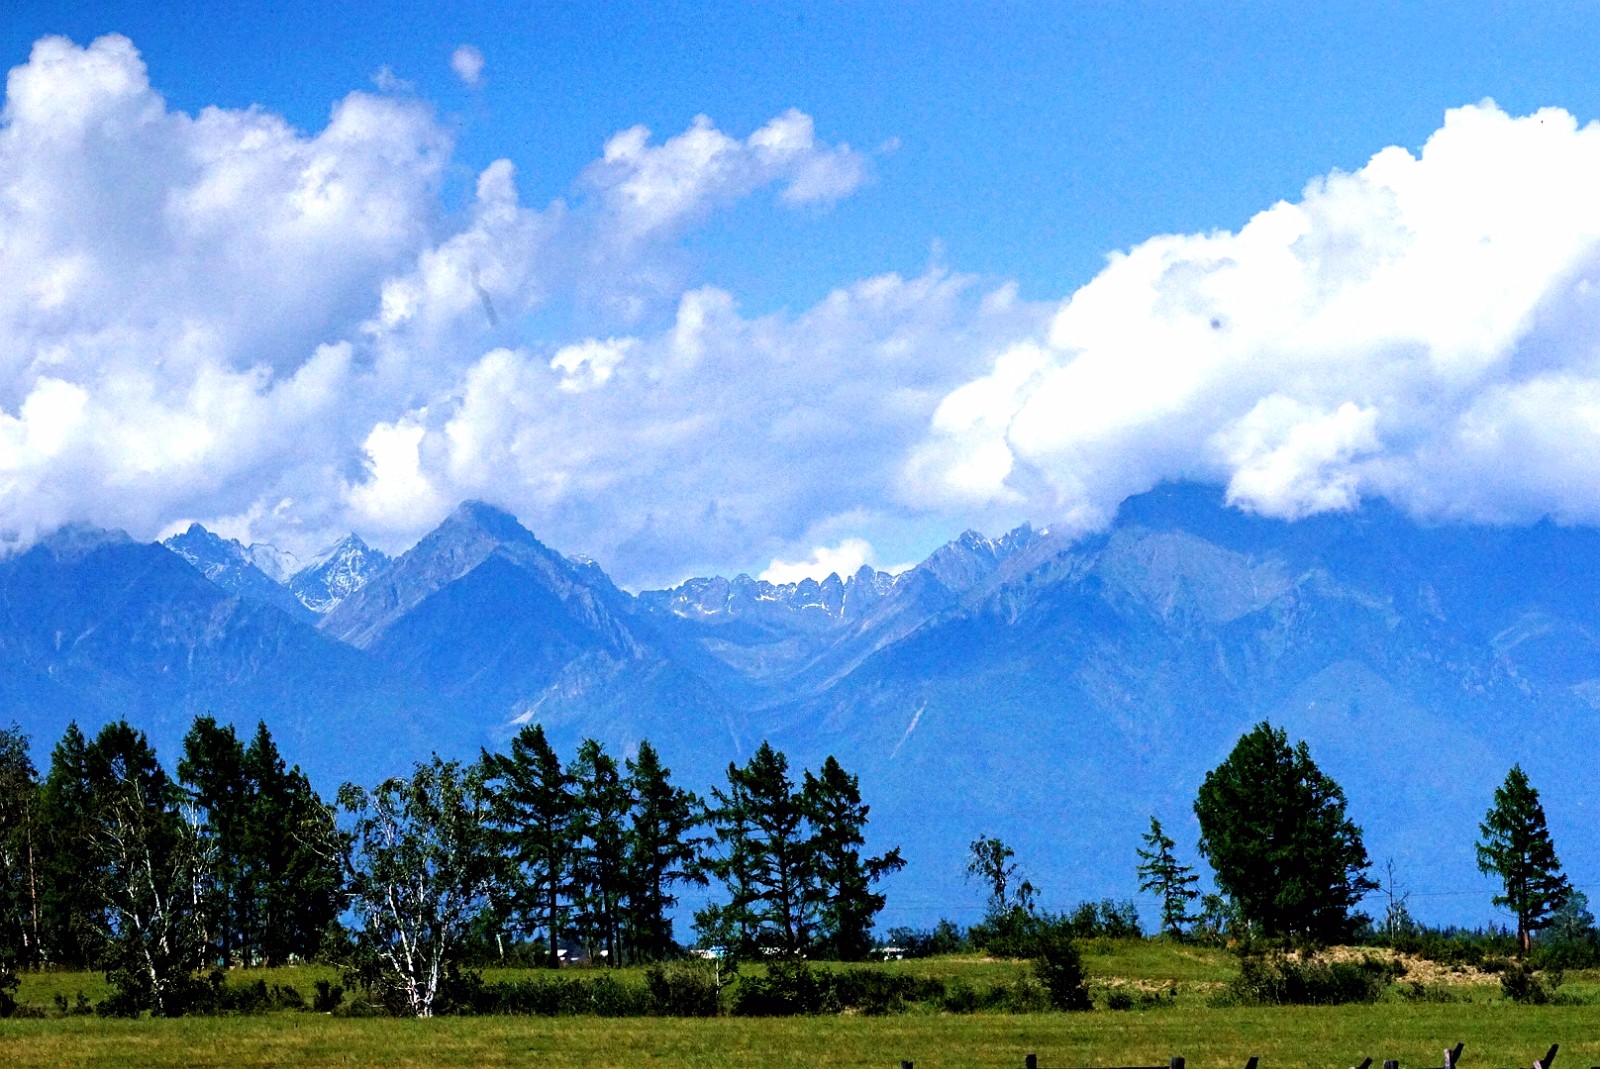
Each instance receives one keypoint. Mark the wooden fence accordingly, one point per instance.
(1452, 1059)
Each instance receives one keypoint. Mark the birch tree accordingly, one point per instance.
(422, 867)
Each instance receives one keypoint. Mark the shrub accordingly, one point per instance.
(327, 997)
(686, 990)
(1059, 968)
(1278, 980)
(1521, 984)
(789, 988)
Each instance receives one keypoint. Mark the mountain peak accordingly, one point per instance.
(493, 521)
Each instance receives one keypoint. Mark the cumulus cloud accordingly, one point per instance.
(1423, 329)
(467, 62)
(220, 317)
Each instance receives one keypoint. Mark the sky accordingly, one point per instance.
(788, 289)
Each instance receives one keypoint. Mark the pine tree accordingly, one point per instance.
(1161, 874)
(1516, 847)
(661, 851)
(536, 814)
(602, 803)
(846, 903)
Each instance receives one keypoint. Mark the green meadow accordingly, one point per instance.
(1498, 1034)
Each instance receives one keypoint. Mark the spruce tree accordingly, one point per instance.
(661, 851)
(212, 769)
(1516, 847)
(1161, 874)
(535, 813)
(846, 903)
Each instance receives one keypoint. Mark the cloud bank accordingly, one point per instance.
(285, 335)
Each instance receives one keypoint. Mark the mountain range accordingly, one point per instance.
(1055, 691)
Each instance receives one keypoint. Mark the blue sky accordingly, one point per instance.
(994, 158)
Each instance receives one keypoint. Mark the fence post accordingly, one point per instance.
(905, 1065)
(1031, 1062)
(1390, 1063)
(1550, 1056)
(1176, 1062)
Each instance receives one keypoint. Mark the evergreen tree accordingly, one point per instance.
(293, 855)
(19, 900)
(661, 851)
(144, 868)
(1161, 874)
(767, 866)
(846, 902)
(1516, 847)
(423, 868)
(1274, 828)
(70, 911)
(212, 769)
(602, 803)
(536, 814)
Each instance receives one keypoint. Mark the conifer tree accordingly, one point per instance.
(661, 851)
(19, 900)
(535, 813)
(212, 769)
(1516, 847)
(767, 864)
(1161, 874)
(602, 803)
(846, 903)
(70, 919)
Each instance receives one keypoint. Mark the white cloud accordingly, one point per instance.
(843, 560)
(1416, 330)
(220, 316)
(467, 62)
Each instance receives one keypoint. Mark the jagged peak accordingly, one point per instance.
(490, 519)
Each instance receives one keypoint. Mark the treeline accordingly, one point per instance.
(108, 862)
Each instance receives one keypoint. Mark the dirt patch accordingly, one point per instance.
(1416, 970)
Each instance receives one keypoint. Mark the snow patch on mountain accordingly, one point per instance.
(336, 573)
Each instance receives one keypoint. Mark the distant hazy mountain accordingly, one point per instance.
(234, 567)
(335, 573)
(1051, 691)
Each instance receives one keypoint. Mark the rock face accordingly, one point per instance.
(1051, 691)
(336, 573)
(234, 567)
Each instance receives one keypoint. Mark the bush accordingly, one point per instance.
(1278, 980)
(789, 988)
(1059, 968)
(327, 997)
(1521, 984)
(687, 990)
(943, 938)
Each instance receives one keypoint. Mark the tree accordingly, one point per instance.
(19, 898)
(1274, 829)
(844, 878)
(212, 769)
(144, 866)
(661, 851)
(422, 867)
(1516, 847)
(989, 861)
(293, 855)
(602, 803)
(1161, 874)
(70, 920)
(535, 814)
(767, 863)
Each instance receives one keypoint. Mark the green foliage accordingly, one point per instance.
(1104, 919)
(423, 866)
(1275, 979)
(536, 817)
(1519, 983)
(1274, 829)
(945, 937)
(661, 848)
(1162, 875)
(1059, 967)
(19, 934)
(1516, 847)
(844, 878)
(601, 804)
(71, 922)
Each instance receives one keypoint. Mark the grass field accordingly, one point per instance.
(1497, 1034)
